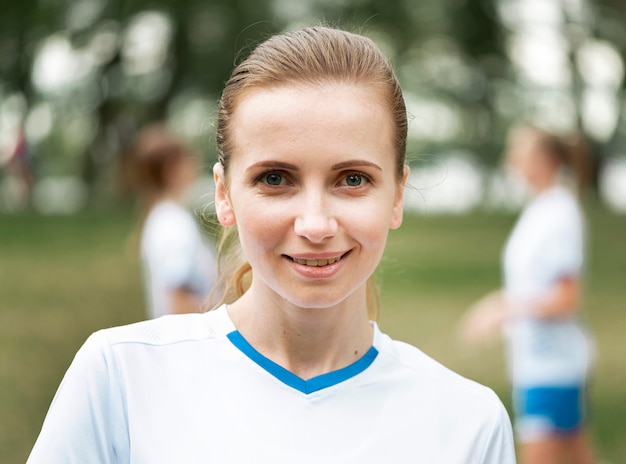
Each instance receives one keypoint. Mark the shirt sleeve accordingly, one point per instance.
(175, 258)
(500, 447)
(86, 421)
(176, 250)
(562, 253)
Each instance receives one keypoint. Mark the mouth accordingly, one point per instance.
(317, 262)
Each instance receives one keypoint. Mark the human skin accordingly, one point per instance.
(313, 190)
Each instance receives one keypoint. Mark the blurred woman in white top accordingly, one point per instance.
(549, 352)
(179, 264)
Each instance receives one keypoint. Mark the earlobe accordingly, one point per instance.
(223, 208)
(398, 204)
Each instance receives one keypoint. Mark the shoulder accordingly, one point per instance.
(168, 214)
(144, 348)
(426, 383)
(168, 223)
(439, 379)
(559, 203)
(166, 330)
(555, 212)
(434, 400)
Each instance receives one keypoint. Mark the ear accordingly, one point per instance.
(398, 203)
(223, 207)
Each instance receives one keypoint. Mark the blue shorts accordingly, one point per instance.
(543, 411)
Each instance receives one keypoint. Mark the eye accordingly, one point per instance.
(272, 178)
(355, 179)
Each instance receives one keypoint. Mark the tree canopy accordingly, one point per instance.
(81, 76)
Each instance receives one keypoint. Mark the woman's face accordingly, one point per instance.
(526, 160)
(312, 187)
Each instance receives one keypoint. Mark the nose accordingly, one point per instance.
(315, 220)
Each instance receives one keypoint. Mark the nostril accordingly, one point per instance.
(315, 227)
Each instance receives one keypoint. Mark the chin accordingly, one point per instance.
(320, 299)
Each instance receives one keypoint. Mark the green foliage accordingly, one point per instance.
(453, 54)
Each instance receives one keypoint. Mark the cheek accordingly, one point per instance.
(260, 226)
(367, 223)
(524, 162)
(265, 226)
(518, 166)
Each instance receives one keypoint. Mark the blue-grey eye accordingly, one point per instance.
(273, 179)
(354, 180)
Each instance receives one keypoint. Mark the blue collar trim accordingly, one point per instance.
(305, 386)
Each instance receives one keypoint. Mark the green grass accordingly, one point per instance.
(61, 278)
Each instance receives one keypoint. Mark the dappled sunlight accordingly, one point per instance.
(101, 73)
(457, 184)
(613, 183)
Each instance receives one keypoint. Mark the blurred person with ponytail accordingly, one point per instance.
(179, 265)
(290, 367)
(549, 351)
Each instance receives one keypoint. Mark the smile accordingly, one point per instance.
(316, 262)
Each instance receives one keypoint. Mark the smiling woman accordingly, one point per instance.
(311, 141)
(295, 163)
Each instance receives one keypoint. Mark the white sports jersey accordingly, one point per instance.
(547, 244)
(189, 389)
(174, 256)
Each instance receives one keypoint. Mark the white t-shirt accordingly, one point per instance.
(174, 255)
(189, 389)
(546, 245)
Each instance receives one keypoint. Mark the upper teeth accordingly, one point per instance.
(316, 262)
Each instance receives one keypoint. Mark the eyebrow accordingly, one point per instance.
(293, 167)
(274, 165)
(355, 163)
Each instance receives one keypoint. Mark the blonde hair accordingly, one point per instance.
(313, 55)
(562, 151)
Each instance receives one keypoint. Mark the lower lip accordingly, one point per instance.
(318, 272)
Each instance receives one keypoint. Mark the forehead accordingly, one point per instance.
(522, 142)
(337, 117)
(301, 98)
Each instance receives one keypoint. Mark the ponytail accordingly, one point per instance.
(234, 273)
(578, 159)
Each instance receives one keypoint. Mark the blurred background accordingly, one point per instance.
(78, 78)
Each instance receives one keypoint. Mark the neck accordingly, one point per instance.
(151, 198)
(543, 184)
(306, 341)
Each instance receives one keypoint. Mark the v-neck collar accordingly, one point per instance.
(288, 378)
